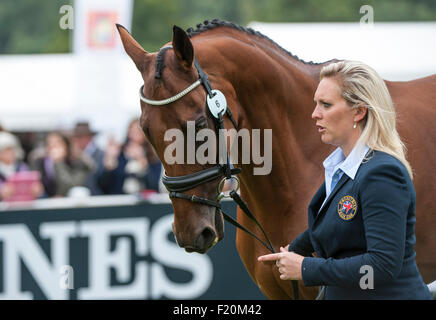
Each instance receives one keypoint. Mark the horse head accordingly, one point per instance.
(198, 221)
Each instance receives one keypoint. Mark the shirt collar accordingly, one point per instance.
(91, 147)
(349, 165)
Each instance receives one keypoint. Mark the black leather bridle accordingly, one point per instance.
(176, 185)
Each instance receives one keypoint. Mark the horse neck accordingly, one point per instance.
(277, 94)
(275, 91)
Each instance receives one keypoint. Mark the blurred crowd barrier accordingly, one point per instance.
(111, 247)
(72, 164)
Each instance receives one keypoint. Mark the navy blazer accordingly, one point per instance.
(368, 221)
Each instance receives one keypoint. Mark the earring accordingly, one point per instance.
(355, 125)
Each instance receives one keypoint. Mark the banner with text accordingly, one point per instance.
(121, 252)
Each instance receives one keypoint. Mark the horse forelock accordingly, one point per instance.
(160, 62)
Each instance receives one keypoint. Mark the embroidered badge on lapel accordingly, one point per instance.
(347, 208)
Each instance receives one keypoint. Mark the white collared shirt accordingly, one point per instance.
(349, 165)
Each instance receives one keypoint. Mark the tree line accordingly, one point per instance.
(32, 26)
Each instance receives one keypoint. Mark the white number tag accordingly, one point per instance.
(217, 103)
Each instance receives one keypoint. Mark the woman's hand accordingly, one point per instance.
(112, 152)
(37, 189)
(6, 190)
(58, 154)
(135, 151)
(288, 263)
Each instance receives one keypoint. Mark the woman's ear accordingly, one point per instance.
(360, 112)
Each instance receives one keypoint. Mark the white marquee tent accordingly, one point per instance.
(47, 92)
(398, 51)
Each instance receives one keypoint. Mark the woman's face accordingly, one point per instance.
(135, 133)
(54, 141)
(7, 155)
(334, 117)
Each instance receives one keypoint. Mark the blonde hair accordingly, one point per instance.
(362, 86)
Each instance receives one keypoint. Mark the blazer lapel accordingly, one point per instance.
(317, 200)
(338, 186)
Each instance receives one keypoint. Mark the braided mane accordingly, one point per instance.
(215, 23)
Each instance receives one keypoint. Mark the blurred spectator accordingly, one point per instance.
(83, 139)
(28, 140)
(11, 163)
(61, 166)
(132, 167)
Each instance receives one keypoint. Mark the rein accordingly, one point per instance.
(217, 106)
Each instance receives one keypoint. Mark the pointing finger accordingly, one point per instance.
(269, 257)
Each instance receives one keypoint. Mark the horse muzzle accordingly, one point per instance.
(202, 238)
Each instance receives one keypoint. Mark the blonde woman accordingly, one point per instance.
(362, 219)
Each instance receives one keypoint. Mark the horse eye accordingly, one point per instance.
(201, 124)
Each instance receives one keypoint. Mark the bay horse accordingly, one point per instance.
(266, 87)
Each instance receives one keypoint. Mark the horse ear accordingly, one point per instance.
(133, 48)
(183, 47)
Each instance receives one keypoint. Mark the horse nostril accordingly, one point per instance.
(206, 238)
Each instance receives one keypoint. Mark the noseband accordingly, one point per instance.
(217, 107)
